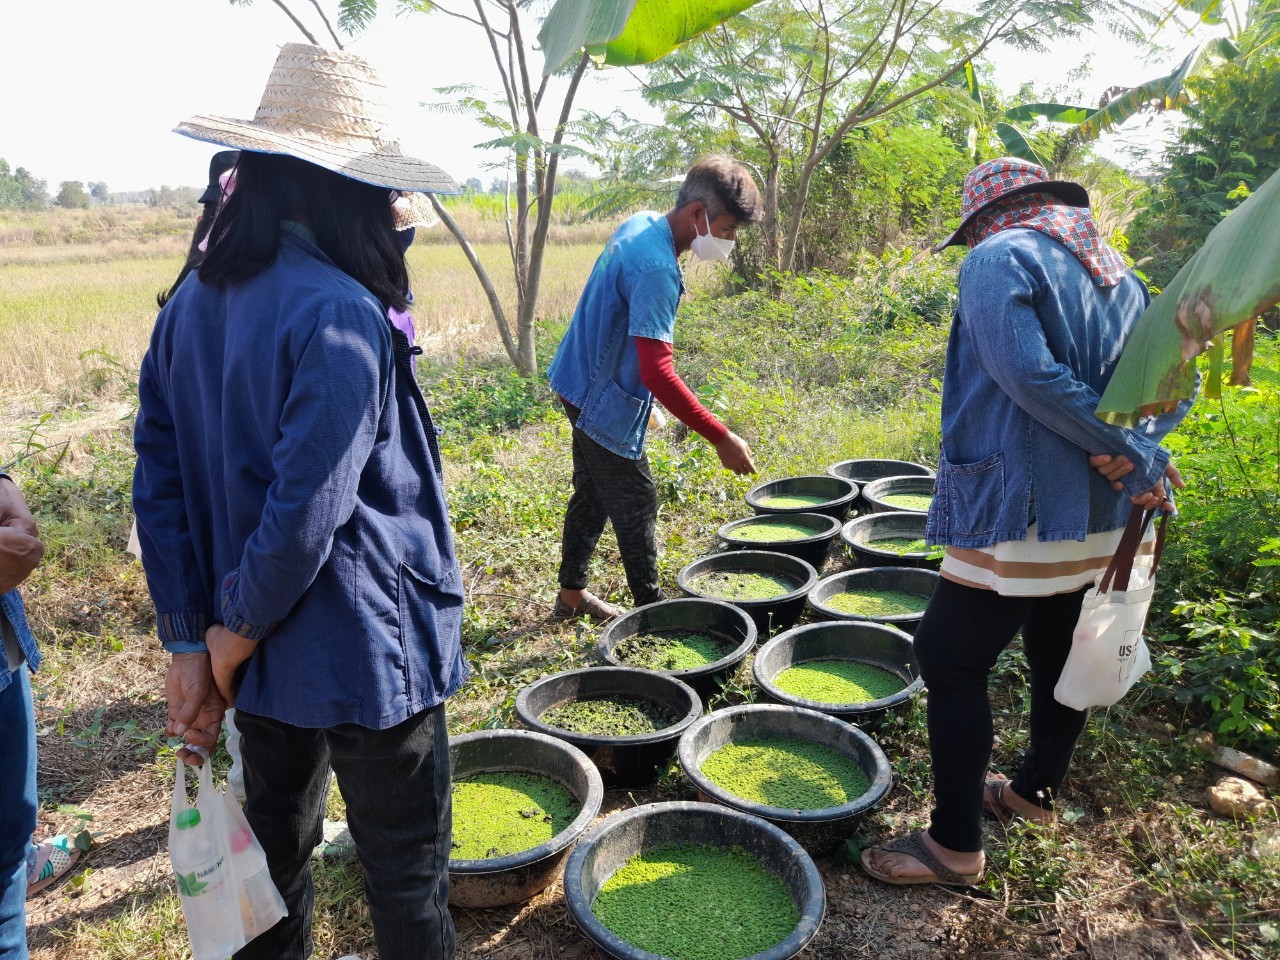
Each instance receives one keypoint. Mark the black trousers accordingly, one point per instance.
(961, 634)
(396, 786)
(609, 488)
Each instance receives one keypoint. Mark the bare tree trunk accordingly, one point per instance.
(772, 241)
(526, 311)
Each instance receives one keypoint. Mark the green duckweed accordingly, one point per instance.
(743, 585)
(877, 603)
(673, 649)
(500, 813)
(900, 545)
(908, 501)
(838, 681)
(609, 717)
(695, 902)
(786, 772)
(789, 501)
(763, 531)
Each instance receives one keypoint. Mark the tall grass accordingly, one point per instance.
(53, 312)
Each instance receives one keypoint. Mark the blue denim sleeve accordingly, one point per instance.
(653, 296)
(184, 608)
(997, 307)
(341, 384)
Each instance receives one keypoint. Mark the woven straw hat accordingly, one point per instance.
(325, 107)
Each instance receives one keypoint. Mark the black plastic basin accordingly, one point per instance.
(723, 620)
(813, 548)
(838, 495)
(818, 830)
(864, 471)
(775, 613)
(655, 826)
(861, 533)
(913, 580)
(875, 492)
(623, 761)
(876, 644)
(511, 879)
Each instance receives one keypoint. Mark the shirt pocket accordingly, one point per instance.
(975, 495)
(616, 414)
(430, 610)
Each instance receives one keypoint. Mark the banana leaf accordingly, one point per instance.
(1017, 144)
(624, 33)
(1233, 278)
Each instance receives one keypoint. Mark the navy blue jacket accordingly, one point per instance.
(289, 486)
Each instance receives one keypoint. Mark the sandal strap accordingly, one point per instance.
(996, 787)
(913, 846)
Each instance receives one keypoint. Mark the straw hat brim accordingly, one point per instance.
(383, 169)
(1068, 191)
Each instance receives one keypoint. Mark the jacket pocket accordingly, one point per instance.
(430, 612)
(617, 415)
(975, 495)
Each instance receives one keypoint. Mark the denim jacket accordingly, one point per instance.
(11, 609)
(1033, 344)
(633, 291)
(288, 485)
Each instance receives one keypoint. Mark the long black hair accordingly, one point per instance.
(194, 253)
(351, 221)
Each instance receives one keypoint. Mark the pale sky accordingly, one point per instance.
(92, 89)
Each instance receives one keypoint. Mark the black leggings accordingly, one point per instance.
(962, 632)
(609, 488)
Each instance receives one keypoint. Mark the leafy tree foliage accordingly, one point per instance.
(72, 195)
(19, 189)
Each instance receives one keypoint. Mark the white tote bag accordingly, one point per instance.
(1108, 654)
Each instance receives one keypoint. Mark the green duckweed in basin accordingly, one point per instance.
(877, 603)
(500, 813)
(900, 545)
(743, 585)
(786, 772)
(695, 902)
(789, 501)
(673, 650)
(838, 681)
(908, 501)
(766, 532)
(609, 717)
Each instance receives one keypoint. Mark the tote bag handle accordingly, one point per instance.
(1121, 566)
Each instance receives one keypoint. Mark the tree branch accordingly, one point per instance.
(296, 22)
(327, 24)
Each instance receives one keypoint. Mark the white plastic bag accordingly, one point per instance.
(227, 894)
(1108, 654)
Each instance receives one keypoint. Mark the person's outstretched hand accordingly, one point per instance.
(196, 708)
(735, 455)
(20, 548)
(228, 651)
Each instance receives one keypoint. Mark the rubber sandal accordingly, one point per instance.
(591, 607)
(913, 846)
(49, 862)
(994, 803)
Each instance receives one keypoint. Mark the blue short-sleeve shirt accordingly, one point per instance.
(633, 291)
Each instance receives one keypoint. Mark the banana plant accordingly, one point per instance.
(1162, 93)
(1232, 279)
(625, 33)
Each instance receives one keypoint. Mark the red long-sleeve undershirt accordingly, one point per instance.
(658, 373)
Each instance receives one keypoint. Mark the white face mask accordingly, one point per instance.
(705, 246)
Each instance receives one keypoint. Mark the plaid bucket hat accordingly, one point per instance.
(1007, 177)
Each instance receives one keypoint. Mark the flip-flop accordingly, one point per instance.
(49, 862)
(913, 846)
(994, 803)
